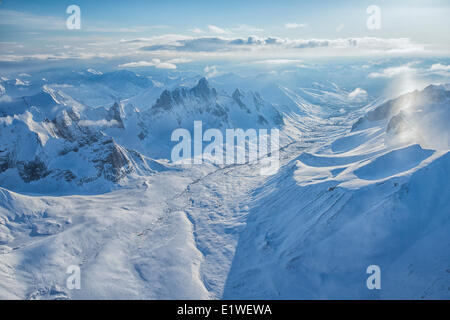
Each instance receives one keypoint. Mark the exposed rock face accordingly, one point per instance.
(115, 164)
(115, 113)
(201, 93)
(66, 126)
(66, 175)
(262, 120)
(63, 150)
(202, 100)
(237, 95)
(203, 90)
(32, 170)
(164, 102)
(5, 160)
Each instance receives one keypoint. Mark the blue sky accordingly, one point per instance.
(197, 29)
(417, 19)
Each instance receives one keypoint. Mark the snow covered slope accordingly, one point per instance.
(366, 198)
(94, 89)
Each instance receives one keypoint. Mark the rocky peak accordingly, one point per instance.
(164, 102)
(436, 93)
(203, 90)
(66, 125)
(115, 113)
(168, 99)
(237, 97)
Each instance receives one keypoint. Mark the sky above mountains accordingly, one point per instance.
(163, 34)
(418, 20)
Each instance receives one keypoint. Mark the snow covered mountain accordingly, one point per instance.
(148, 129)
(361, 183)
(93, 88)
(420, 116)
(67, 144)
(180, 107)
(47, 146)
(365, 198)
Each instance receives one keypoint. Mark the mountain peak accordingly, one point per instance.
(202, 89)
(116, 112)
(203, 82)
(237, 94)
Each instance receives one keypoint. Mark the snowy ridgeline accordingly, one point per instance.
(361, 183)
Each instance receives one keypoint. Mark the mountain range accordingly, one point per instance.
(86, 180)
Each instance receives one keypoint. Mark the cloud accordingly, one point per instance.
(137, 64)
(273, 40)
(179, 60)
(154, 63)
(197, 30)
(302, 44)
(358, 93)
(211, 71)
(93, 71)
(203, 44)
(171, 46)
(138, 40)
(439, 67)
(98, 123)
(215, 29)
(389, 45)
(394, 71)
(213, 44)
(248, 41)
(279, 61)
(160, 47)
(293, 25)
(363, 45)
(166, 65)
